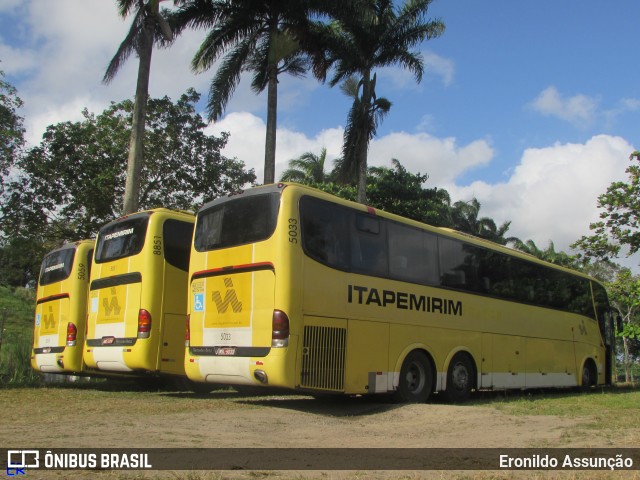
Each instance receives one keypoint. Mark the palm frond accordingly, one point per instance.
(226, 79)
(128, 46)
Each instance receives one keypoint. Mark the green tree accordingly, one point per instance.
(395, 190)
(548, 255)
(624, 294)
(618, 228)
(364, 36)
(466, 218)
(148, 27)
(70, 185)
(398, 191)
(11, 127)
(307, 168)
(260, 36)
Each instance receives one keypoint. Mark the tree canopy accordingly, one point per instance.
(618, 231)
(71, 184)
(11, 127)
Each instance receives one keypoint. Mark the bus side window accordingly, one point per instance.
(368, 246)
(413, 255)
(325, 232)
(177, 243)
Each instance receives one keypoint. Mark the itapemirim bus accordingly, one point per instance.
(61, 309)
(138, 294)
(292, 287)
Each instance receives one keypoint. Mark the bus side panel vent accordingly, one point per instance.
(323, 358)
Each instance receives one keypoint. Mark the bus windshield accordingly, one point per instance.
(57, 266)
(122, 238)
(237, 221)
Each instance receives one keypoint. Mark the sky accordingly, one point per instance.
(533, 108)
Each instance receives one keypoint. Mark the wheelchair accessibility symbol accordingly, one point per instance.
(198, 302)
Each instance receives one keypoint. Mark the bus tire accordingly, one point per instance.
(589, 375)
(460, 378)
(416, 379)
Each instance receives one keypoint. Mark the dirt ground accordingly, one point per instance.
(104, 420)
(295, 421)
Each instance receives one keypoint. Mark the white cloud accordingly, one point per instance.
(579, 110)
(71, 111)
(441, 158)
(552, 193)
(247, 139)
(442, 67)
(6, 5)
(434, 66)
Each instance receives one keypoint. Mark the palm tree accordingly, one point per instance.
(148, 26)
(465, 217)
(307, 168)
(364, 36)
(548, 255)
(362, 118)
(261, 36)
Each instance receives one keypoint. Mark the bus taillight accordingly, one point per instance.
(280, 329)
(144, 323)
(187, 333)
(72, 333)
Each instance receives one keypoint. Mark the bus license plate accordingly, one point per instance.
(226, 351)
(108, 340)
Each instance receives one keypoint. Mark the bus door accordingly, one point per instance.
(177, 235)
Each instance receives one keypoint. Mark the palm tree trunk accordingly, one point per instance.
(272, 102)
(270, 141)
(365, 134)
(136, 141)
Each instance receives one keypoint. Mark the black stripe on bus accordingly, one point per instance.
(116, 342)
(252, 267)
(42, 350)
(50, 298)
(124, 279)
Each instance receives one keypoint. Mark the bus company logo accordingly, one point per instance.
(20, 460)
(230, 298)
(49, 320)
(111, 306)
(583, 328)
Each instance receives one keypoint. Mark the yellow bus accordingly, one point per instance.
(61, 309)
(292, 287)
(138, 294)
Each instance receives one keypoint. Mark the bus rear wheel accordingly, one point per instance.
(459, 378)
(416, 379)
(589, 376)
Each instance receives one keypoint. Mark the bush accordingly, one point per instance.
(15, 361)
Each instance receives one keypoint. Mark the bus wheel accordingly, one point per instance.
(459, 378)
(416, 379)
(588, 375)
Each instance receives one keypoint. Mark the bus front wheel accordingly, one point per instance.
(416, 379)
(459, 378)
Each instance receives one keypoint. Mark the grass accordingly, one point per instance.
(16, 337)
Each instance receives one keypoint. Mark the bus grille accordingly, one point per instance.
(323, 358)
